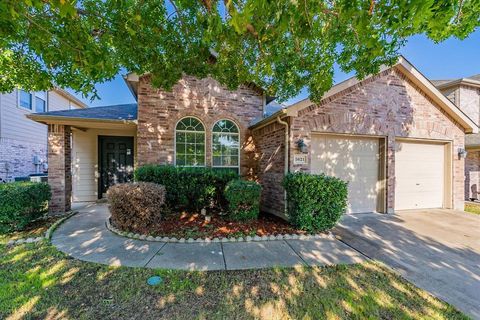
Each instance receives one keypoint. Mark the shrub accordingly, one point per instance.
(136, 207)
(188, 188)
(21, 203)
(315, 202)
(243, 199)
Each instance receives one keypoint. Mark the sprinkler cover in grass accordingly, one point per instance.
(154, 281)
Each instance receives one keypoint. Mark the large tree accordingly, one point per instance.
(281, 45)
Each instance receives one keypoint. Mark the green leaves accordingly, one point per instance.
(21, 203)
(243, 199)
(281, 45)
(315, 202)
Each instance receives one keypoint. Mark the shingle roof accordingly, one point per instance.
(115, 112)
(475, 77)
(474, 80)
(440, 82)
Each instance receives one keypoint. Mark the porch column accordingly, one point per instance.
(59, 168)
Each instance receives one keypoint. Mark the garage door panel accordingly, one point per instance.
(351, 159)
(419, 175)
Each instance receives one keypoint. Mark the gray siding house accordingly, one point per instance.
(23, 142)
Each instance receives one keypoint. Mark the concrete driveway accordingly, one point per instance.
(437, 250)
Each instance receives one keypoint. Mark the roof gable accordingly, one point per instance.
(411, 73)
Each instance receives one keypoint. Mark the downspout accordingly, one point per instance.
(287, 140)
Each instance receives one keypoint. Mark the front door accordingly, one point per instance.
(116, 161)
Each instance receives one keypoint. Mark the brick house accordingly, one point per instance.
(23, 142)
(394, 136)
(465, 93)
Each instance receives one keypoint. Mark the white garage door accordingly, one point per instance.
(419, 175)
(352, 159)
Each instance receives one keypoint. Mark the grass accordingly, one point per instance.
(40, 282)
(472, 208)
(35, 229)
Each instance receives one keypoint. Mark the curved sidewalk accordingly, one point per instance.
(85, 237)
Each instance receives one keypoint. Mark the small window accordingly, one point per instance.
(225, 145)
(33, 101)
(190, 143)
(25, 100)
(40, 101)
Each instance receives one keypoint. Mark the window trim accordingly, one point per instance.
(32, 100)
(228, 133)
(204, 142)
(33, 96)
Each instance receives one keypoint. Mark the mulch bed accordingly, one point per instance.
(187, 225)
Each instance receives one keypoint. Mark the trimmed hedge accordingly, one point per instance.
(21, 203)
(188, 188)
(243, 199)
(135, 207)
(315, 202)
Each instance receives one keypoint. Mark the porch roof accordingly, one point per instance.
(120, 112)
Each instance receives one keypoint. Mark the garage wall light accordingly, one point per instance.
(462, 153)
(302, 147)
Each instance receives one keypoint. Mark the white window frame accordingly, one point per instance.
(190, 131)
(228, 133)
(33, 96)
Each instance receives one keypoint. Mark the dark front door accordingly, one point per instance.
(116, 161)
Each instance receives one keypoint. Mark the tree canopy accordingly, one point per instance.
(281, 45)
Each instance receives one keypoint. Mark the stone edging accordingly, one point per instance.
(48, 233)
(53, 227)
(25, 240)
(223, 240)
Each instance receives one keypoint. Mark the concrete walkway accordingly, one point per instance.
(85, 237)
(437, 250)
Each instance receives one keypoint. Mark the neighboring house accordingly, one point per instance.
(465, 93)
(23, 142)
(393, 136)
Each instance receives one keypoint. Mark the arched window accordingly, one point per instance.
(190, 143)
(225, 144)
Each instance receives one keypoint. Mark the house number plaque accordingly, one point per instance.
(299, 158)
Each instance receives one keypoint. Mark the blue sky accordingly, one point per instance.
(447, 60)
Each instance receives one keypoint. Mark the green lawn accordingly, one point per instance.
(33, 230)
(39, 282)
(472, 208)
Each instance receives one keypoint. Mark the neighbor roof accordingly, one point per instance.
(120, 112)
(473, 81)
(405, 67)
(69, 96)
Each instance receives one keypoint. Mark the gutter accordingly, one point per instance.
(39, 118)
(276, 117)
(287, 140)
(266, 121)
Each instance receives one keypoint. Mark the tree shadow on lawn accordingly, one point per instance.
(40, 282)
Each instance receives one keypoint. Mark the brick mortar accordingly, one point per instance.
(386, 105)
(18, 155)
(206, 99)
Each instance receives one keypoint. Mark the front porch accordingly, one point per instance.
(87, 152)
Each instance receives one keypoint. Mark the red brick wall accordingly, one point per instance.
(159, 111)
(472, 175)
(59, 168)
(270, 166)
(386, 105)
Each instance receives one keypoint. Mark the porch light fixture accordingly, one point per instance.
(302, 147)
(462, 153)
